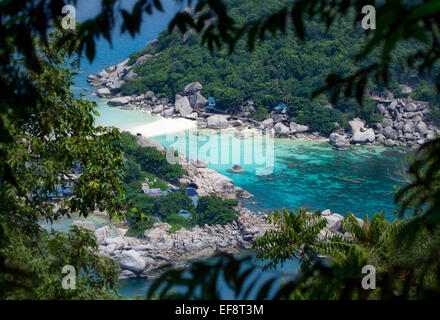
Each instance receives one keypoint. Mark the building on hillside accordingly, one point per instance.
(184, 213)
(280, 108)
(212, 107)
(189, 191)
(157, 192)
(211, 104)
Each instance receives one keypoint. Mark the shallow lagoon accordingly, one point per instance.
(304, 173)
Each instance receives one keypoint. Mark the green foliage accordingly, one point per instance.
(406, 32)
(172, 203)
(41, 267)
(36, 102)
(154, 182)
(213, 209)
(139, 221)
(279, 67)
(149, 159)
(43, 138)
(294, 236)
(434, 115)
(319, 118)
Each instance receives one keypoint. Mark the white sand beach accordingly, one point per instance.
(163, 126)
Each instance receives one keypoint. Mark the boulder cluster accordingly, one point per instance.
(110, 80)
(279, 125)
(139, 257)
(403, 124)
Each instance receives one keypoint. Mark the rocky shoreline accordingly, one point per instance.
(206, 181)
(403, 125)
(404, 121)
(143, 257)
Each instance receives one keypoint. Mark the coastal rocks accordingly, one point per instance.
(208, 181)
(238, 134)
(246, 109)
(217, 122)
(236, 169)
(168, 112)
(421, 128)
(389, 133)
(408, 127)
(126, 274)
(140, 257)
(129, 106)
(182, 106)
(243, 194)
(338, 141)
(404, 123)
(157, 109)
(118, 242)
(281, 130)
(236, 123)
(149, 95)
(410, 107)
(103, 93)
(198, 163)
(359, 133)
(387, 123)
(152, 43)
(142, 59)
(132, 261)
(278, 117)
(197, 101)
(129, 76)
(102, 233)
(381, 109)
(389, 143)
(298, 128)
(89, 225)
(192, 88)
(268, 123)
(334, 222)
(113, 77)
(116, 102)
(252, 226)
(192, 116)
(364, 137)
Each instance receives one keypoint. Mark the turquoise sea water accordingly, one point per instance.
(300, 173)
(305, 173)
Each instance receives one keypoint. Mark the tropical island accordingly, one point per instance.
(156, 80)
(159, 220)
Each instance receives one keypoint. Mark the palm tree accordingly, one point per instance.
(294, 235)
